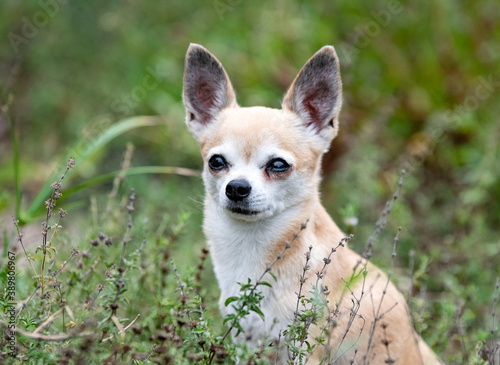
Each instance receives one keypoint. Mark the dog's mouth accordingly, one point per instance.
(243, 211)
(247, 210)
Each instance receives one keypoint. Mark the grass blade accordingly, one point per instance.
(83, 149)
(140, 170)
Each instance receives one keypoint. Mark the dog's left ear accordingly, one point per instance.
(316, 94)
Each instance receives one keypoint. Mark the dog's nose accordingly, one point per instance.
(238, 190)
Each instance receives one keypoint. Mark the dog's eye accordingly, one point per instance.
(277, 165)
(217, 162)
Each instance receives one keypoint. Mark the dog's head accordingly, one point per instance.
(261, 161)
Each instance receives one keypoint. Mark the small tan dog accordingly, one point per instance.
(261, 174)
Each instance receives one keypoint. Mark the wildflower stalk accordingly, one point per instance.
(126, 239)
(20, 238)
(50, 205)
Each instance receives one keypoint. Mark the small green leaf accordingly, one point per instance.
(257, 310)
(230, 300)
(273, 275)
(229, 317)
(265, 283)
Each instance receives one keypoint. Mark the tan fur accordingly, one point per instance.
(405, 345)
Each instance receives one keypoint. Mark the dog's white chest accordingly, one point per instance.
(239, 254)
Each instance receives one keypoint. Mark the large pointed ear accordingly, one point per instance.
(207, 89)
(316, 94)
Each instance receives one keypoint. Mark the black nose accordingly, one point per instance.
(238, 190)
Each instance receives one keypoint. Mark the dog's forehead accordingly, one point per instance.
(250, 130)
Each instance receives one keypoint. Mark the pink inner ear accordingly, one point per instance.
(205, 102)
(311, 107)
(205, 95)
(316, 105)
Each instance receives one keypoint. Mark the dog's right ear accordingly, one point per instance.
(207, 89)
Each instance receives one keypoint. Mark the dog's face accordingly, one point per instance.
(260, 161)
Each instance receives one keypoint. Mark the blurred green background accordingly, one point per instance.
(421, 91)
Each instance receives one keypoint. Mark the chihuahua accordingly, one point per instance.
(261, 175)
